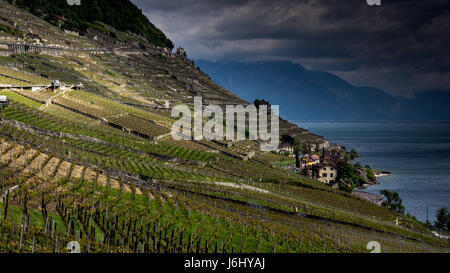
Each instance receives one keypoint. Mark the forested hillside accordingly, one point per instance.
(120, 14)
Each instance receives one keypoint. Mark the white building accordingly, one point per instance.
(3, 101)
(285, 148)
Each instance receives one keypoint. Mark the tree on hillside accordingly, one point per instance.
(393, 201)
(353, 154)
(347, 157)
(370, 175)
(94, 11)
(360, 180)
(287, 138)
(442, 219)
(257, 103)
(265, 102)
(297, 150)
(345, 171)
(34, 5)
(308, 147)
(317, 147)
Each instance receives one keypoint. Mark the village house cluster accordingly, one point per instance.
(320, 166)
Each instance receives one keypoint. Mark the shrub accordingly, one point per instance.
(370, 175)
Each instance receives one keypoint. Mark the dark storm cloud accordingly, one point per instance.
(400, 47)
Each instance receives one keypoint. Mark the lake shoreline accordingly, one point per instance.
(377, 199)
(378, 173)
(417, 154)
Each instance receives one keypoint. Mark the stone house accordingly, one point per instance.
(326, 173)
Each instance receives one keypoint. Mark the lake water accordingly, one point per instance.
(417, 154)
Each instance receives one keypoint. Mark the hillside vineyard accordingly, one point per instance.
(87, 154)
(235, 116)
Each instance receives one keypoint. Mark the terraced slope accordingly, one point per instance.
(96, 166)
(50, 158)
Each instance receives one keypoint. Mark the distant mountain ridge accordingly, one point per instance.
(321, 96)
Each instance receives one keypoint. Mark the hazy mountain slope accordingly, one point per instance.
(316, 95)
(430, 105)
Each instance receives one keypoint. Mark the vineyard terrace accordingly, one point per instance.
(213, 129)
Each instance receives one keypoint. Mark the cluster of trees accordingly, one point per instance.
(347, 172)
(259, 102)
(120, 14)
(354, 179)
(443, 219)
(369, 172)
(370, 175)
(353, 154)
(393, 201)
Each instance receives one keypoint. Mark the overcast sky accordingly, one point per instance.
(400, 47)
